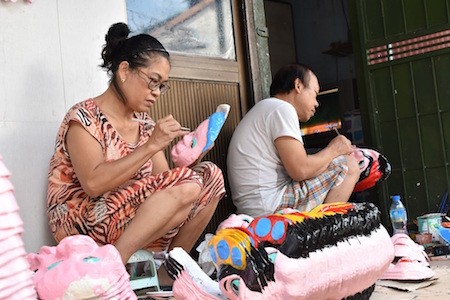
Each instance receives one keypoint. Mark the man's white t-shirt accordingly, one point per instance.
(256, 174)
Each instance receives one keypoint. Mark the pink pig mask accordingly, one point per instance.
(79, 269)
(191, 146)
(188, 149)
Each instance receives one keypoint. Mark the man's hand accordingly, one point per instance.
(341, 145)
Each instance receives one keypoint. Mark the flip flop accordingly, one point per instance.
(411, 262)
(404, 246)
(407, 269)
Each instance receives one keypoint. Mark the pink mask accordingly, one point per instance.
(15, 275)
(77, 268)
(192, 145)
(189, 148)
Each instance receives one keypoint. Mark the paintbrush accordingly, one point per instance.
(146, 122)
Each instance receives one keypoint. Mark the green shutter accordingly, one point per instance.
(403, 68)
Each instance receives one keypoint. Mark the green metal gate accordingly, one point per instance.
(402, 53)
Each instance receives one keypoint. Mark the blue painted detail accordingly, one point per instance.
(91, 259)
(278, 230)
(216, 121)
(223, 250)
(54, 265)
(272, 257)
(236, 257)
(213, 254)
(262, 227)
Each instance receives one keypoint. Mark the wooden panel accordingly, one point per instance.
(415, 193)
(394, 19)
(391, 146)
(442, 69)
(191, 102)
(204, 68)
(436, 12)
(381, 79)
(445, 119)
(415, 15)
(425, 93)
(436, 179)
(409, 143)
(374, 20)
(403, 91)
(431, 141)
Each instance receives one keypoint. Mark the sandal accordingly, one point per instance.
(410, 262)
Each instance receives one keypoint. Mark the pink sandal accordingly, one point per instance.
(411, 261)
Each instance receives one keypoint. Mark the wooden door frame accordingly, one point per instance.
(251, 69)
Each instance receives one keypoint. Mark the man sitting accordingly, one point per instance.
(268, 166)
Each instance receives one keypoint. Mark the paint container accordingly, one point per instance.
(430, 223)
(424, 238)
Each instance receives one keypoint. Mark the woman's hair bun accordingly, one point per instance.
(117, 33)
(116, 36)
(136, 50)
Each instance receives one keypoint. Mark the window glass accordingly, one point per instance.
(194, 27)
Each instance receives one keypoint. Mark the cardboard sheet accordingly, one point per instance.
(408, 286)
(435, 288)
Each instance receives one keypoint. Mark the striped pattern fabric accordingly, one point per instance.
(307, 194)
(71, 211)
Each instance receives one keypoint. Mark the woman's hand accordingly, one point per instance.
(165, 131)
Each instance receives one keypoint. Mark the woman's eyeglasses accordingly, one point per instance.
(154, 84)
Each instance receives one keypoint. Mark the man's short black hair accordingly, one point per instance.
(284, 80)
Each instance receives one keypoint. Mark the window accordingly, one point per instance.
(192, 27)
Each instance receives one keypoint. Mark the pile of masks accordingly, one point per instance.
(335, 251)
(15, 275)
(75, 269)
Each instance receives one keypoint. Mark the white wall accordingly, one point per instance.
(49, 57)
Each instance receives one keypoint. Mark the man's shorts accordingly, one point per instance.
(306, 195)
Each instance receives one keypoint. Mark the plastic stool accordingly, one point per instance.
(142, 270)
